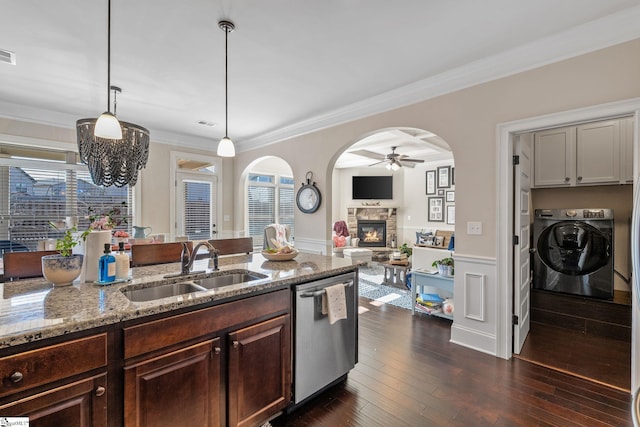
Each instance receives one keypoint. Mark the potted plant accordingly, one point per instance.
(405, 249)
(63, 268)
(445, 266)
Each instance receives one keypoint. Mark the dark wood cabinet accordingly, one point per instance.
(57, 385)
(259, 371)
(178, 388)
(224, 365)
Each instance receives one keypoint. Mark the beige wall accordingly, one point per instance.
(467, 120)
(616, 197)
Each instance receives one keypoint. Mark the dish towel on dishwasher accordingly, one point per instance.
(334, 303)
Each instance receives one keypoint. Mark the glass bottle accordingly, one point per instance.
(122, 263)
(107, 265)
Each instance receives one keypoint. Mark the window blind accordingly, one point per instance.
(197, 210)
(270, 200)
(35, 192)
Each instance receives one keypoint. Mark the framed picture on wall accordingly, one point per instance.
(453, 176)
(451, 214)
(431, 182)
(440, 192)
(444, 177)
(450, 196)
(436, 206)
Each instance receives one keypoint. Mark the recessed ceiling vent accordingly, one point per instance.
(7, 57)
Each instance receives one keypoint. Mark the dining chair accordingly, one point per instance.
(23, 265)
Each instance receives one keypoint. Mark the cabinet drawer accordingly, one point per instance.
(159, 334)
(44, 365)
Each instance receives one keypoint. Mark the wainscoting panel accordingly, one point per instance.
(474, 296)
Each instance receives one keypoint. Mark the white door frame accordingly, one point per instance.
(173, 169)
(505, 205)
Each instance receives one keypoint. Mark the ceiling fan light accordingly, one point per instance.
(226, 148)
(388, 166)
(395, 166)
(108, 127)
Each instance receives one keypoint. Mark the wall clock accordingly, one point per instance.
(308, 198)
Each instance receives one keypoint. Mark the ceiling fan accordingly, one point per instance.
(394, 160)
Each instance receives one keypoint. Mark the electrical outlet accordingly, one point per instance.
(474, 227)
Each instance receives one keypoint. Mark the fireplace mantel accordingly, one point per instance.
(388, 214)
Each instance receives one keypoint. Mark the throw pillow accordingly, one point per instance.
(421, 237)
(339, 241)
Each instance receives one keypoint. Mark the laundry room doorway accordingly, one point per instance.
(509, 237)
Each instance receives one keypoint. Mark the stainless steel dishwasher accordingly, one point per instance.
(323, 353)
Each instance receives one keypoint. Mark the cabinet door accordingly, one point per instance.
(598, 153)
(182, 388)
(79, 404)
(554, 157)
(626, 150)
(259, 371)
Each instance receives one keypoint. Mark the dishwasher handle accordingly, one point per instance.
(319, 292)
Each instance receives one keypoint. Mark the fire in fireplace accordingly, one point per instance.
(372, 233)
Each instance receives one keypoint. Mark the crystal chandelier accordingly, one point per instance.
(114, 151)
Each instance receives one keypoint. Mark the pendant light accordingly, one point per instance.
(108, 125)
(225, 146)
(114, 151)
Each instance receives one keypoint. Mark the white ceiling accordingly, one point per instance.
(294, 65)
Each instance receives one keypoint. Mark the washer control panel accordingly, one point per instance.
(593, 213)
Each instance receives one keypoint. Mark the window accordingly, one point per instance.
(270, 200)
(35, 191)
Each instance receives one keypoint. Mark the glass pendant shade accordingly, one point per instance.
(108, 127)
(226, 148)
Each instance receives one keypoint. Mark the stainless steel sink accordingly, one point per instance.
(217, 280)
(228, 279)
(160, 291)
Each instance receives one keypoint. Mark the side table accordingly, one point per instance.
(419, 280)
(395, 274)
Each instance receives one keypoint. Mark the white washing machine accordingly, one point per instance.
(573, 251)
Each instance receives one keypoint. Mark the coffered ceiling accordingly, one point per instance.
(294, 65)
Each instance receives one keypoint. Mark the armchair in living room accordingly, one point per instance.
(276, 234)
(342, 239)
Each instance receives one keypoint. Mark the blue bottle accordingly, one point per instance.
(107, 266)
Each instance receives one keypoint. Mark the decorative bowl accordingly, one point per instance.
(61, 270)
(280, 257)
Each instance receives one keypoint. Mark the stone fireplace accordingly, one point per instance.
(379, 214)
(372, 233)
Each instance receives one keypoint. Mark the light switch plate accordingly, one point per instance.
(474, 227)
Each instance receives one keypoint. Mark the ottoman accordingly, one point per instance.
(358, 255)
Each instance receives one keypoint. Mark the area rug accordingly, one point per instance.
(371, 287)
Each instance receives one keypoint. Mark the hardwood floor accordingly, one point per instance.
(409, 374)
(597, 358)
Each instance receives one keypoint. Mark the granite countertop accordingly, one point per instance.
(33, 309)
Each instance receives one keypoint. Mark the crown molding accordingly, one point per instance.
(601, 33)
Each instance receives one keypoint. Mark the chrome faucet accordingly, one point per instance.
(186, 258)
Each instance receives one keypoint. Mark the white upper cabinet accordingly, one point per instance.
(626, 150)
(590, 154)
(554, 157)
(598, 153)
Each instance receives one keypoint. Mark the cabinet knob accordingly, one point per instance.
(16, 377)
(236, 344)
(216, 350)
(567, 179)
(100, 391)
(579, 178)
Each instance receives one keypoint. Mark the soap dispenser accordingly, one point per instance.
(107, 265)
(122, 263)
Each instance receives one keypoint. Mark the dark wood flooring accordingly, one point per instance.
(409, 374)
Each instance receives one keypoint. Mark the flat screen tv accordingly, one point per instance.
(372, 187)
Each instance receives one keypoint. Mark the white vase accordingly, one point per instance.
(93, 249)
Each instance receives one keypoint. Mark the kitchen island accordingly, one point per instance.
(89, 348)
